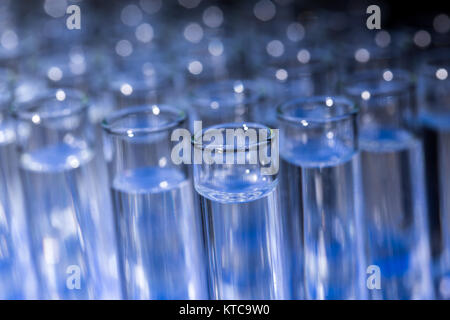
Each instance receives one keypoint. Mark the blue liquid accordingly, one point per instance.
(160, 238)
(321, 203)
(17, 276)
(395, 213)
(70, 223)
(436, 134)
(246, 245)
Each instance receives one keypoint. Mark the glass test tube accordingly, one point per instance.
(394, 199)
(223, 101)
(159, 230)
(241, 211)
(17, 272)
(320, 163)
(434, 119)
(310, 74)
(68, 210)
(146, 85)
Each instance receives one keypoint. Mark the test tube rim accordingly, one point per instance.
(429, 68)
(107, 123)
(198, 101)
(401, 86)
(230, 125)
(21, 110)
(352, 111)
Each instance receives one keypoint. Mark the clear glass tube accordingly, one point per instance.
(434, 119)
(159, 230)
(68, 207)
(143, 85)
(17, 272)
(396, 237)
(241, 211)
(223, 101)
(309, 74)
(320, 163)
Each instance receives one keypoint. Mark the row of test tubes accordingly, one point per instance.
(101, 196)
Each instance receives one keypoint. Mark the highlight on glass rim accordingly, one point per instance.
(224, 150)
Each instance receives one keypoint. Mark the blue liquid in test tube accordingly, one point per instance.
(320, 174)
(159, 230)
(242, 216)
(68, 210)
(392, 166)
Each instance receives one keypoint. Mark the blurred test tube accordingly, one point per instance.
(17, 272)
(68, 209)
(434, 119)
(320, 172)
(241, 211)
(394, 198)
(159, 230)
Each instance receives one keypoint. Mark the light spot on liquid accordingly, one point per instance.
(388, 75)
(441, 74)
(214, 105)
(131, 15)
(275, 48)
(238, 87)
(150, 6)
(422, 38)
(362, 55)
(162, 162)
(441, 23)
(329, 102)
(60, 95)
(144, 33)
(126, 89)
(295, 32)
(330, 135)
(264, 10)
(69, 139)
(215, 48)
(124, 48)
(73, 162)
(55, 74)
(189, 4)
(195, 67)
(303, 56)
(365, 95)
(193, 32)
(281, 74)
(155, 110)
(382, 39)
(36, 119)
(212, 17)
(55, 8)
(163, 184)
(9, 40)
(77, 58)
